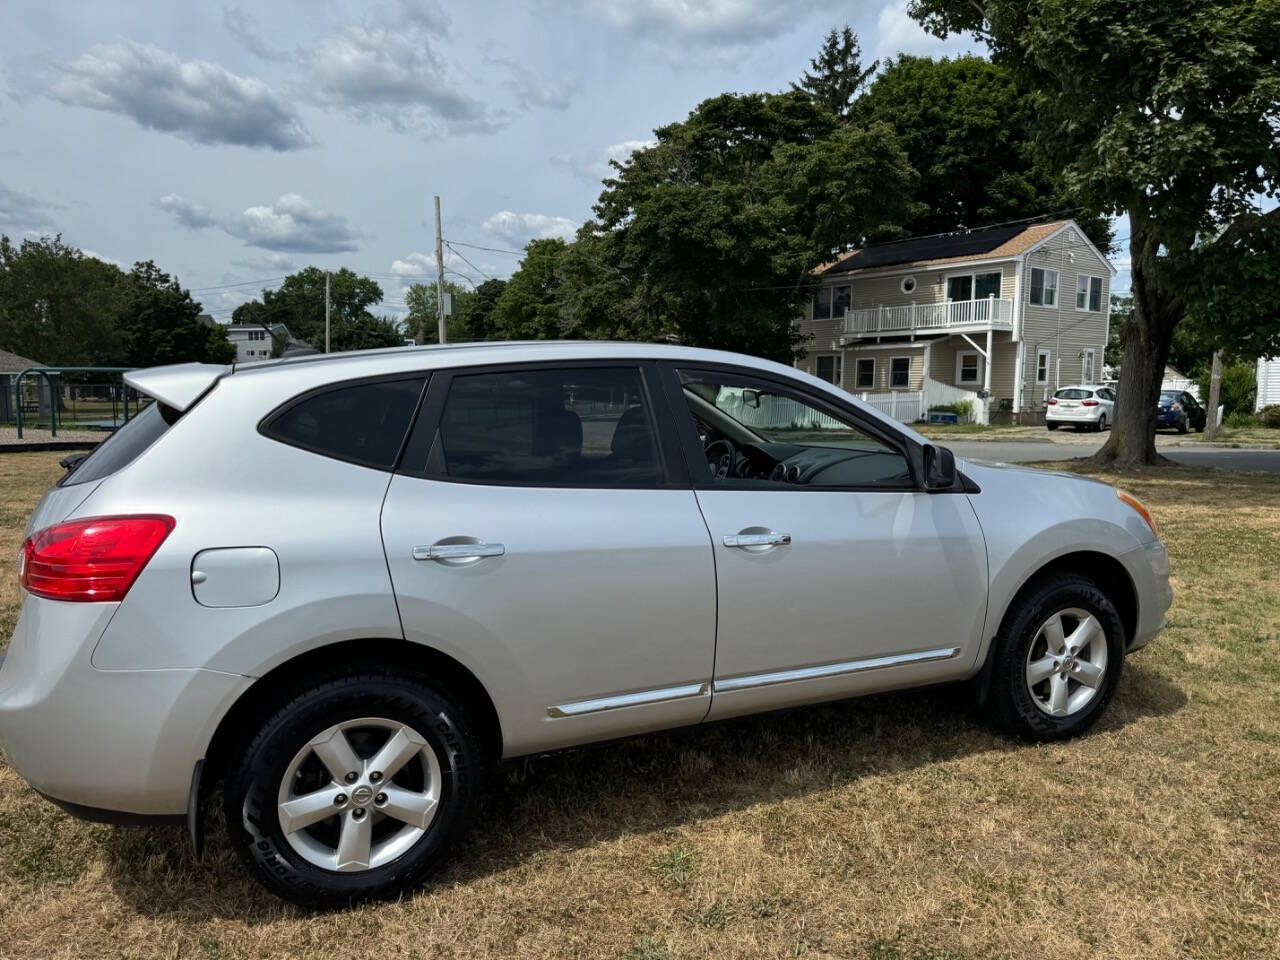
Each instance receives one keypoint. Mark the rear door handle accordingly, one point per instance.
(757, 540)
(459, 551)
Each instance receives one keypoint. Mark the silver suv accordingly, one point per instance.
(343, 587)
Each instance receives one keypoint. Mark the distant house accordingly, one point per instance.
(1268, 382)
(35, 386)
(999, 317)
(255, 342)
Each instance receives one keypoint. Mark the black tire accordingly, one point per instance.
(1102, 422)
(253, 784)
(1052, 426)
(1010, 704)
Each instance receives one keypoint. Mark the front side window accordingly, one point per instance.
(828, 368)
(1044, 287)
(564, 427)
(757, 433)
(362, 423)
(866, 377)
(899, 373)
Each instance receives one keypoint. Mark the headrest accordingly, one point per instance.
(632, 439)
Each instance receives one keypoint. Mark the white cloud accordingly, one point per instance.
(897, 33)
(520, 228)
(198, 100)
(194, 216)
(290, 225)
(533, 90)
(105, 259)
(687, 23)
(244, 27)
(414, 265)
(391, 74)
(265, 261)
(597, 166)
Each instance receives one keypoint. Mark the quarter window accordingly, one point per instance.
(571, 427)
(1044, 287)
(362, 423)
(866, 373)
(829, 368)
(899, 373)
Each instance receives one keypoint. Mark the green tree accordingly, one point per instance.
(529, 306)
(1238, 390)
(967, 129)
(476, 312)
(1164, 111)
(423, 320)
(365, 332)
(713, 232)
(160, 323)
(299, 304)
(60, 307)
(836, 74)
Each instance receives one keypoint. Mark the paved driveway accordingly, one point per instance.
(1023, 451)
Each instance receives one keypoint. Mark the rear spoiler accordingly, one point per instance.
(178, 385)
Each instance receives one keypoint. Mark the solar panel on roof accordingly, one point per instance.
(929, 248)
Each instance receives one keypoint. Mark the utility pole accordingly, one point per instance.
(1215, 393)
(326, 311)
(439, 275)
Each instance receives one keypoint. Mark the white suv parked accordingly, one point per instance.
(342, 587)
(1085, 406)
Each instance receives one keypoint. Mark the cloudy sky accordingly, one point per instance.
(237, 143)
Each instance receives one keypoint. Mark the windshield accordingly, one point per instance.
(774, 418)
(1168, 396)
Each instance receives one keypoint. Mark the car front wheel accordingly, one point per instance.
(353, 790)
(1058, 658)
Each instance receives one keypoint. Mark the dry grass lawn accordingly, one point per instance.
(892, 828)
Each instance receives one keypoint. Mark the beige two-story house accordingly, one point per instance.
(1000, 316)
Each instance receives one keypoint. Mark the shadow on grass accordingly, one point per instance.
(577, 798)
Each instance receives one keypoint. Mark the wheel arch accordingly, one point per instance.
(438, 668)
(1106, 571)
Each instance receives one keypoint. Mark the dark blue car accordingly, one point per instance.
(1179, 410)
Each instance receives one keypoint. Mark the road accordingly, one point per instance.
(1024, 451)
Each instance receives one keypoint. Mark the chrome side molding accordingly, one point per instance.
(831, 669)
(639, 698)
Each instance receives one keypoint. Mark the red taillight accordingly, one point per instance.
(96, 558)
(1053, 401)
(1089, 403)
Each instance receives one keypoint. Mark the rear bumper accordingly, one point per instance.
(116, 742)
(1085, 415)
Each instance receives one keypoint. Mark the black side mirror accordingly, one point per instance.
(72, 461)
(939, 468)
(751, 398)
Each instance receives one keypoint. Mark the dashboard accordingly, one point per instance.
(805, 465)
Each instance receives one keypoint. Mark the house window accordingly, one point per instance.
(843, 297)
(1086, 367)
(822, 304)
(865, 373)
(973, 286)
(968, 369)
(829, 368)
(908, 285)
(899, 373)
(1044, 287)
(1042, 366)
(1088, 293)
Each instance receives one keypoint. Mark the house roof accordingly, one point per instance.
(12, 363)
(989, 243)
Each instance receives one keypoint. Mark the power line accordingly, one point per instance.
(467, 262)
(241, 283)
(476, 246)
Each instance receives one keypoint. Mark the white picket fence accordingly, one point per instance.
(906, 406)
(776, 412)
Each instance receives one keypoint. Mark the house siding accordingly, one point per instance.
(1063, 330)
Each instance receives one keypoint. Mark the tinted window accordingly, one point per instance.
(1074, 394)
(362, 423)
(575, 427)
(124, 446)
(1169, 396)
(756, 433)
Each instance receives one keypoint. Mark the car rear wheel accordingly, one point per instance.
(353, 790)
(1102, 422)
(1058, 658)
(1052, 426)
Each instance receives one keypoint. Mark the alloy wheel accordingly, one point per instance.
(1067, 662)
(359, 794)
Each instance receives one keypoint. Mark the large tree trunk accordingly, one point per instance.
(1148, 335)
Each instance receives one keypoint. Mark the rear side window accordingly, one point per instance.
(1074, 394)
(571, 427)
(363, 422)
(124, 446)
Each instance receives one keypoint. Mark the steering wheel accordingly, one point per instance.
(721, 458)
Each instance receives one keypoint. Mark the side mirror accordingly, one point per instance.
(751, 398)
(939, 468)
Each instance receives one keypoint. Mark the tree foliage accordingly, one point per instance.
(160, 322)
(423, 320)
(836, 75)
(1164, 111)
(529, 306)
(299, 304)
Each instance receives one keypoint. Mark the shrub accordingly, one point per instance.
(1239, 385)
(1239, 419)
(961, 408)
(1270, 416)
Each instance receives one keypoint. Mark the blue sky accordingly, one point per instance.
(237, 143)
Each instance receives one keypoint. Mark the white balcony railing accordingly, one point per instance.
(969, 314)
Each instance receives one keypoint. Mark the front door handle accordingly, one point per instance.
(459, 551)
(757, 540)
